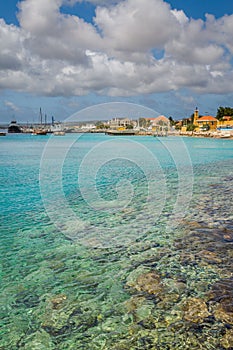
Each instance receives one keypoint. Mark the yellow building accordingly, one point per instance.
(226, 122)
(195, 116)
(207, 122)
(204, 123)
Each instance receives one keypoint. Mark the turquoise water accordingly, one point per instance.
(116, 243)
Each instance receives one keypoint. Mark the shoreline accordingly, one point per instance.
(215, 134)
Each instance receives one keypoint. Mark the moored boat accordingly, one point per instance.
(39, 132)
(59, 133)
(225, 136)
(120, 132)
(14, 128)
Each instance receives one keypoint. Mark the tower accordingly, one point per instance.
(196, 116)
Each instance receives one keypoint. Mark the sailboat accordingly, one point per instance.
(40, 130)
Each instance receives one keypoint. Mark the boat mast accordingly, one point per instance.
(40, 116)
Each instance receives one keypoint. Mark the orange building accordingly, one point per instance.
(207, 122)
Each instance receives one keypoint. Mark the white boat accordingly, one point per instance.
(225, 136)
(59, 133)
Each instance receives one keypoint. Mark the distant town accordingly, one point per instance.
(196, 125)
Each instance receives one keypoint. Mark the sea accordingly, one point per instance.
(116, 243)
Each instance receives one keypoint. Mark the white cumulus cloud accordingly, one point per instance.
(55, 54)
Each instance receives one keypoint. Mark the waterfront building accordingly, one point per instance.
(207, 122)
(160, 124)
(225, 123)
(203, 123)
(122, 123)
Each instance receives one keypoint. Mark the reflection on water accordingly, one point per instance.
(155, 286)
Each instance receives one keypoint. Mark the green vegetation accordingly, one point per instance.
(144, 123)
(101, 125)
(224, 111)
(129, 126)
(191, 127)
(172, 121)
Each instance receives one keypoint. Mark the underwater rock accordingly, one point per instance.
(228, 237)
(58, 301)
(137, 247)
(222, 289)
(141, 308)
(227, 339)
(38, 341)
(133, 275)
(210, 257)
(114, 324)
(57, 265)
(59, 315)
(221, 293)
(187, 258)
(134, 302)
(150, 283)
(195, 310)
(56, 315)
(55, 322)
(139, 339)
(24, 298)
(222, 314)
(168, 301)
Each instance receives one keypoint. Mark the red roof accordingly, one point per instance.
(207, 118)
(160, 117)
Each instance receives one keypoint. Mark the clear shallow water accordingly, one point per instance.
(133, 251)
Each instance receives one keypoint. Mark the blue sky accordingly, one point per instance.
(67, 55)
(192, 8)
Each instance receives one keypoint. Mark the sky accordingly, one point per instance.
(65, 55)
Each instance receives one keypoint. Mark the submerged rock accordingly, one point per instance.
(139, 307)
(221, 313)
(59, 315)
(221, 296)
(227, 339)
(209, 256)
(58, 301)
(222, 291)
(228, 237)
(148, 282)
(38, 341)
(27, 299)
(195, 310)
(134, 303)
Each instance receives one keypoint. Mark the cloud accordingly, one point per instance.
(11, 105)
(12, 52)
(180, 16)
(123, 26)
(62, 55)
(53, 35)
